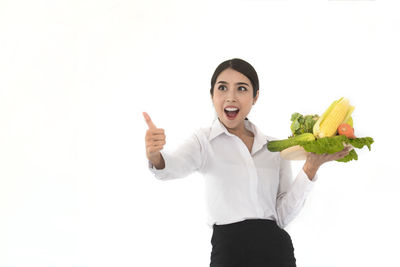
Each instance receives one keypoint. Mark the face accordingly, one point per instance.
(234, 89)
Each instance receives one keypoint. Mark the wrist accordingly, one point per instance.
(310, 170)
(158, 162)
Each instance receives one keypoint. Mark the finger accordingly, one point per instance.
(156, 131)
(155, 144)
(346, 151)
(348, 148)
(159, 143)
(154, 149)
(151, 136)
(339, 156)
(150, 139)
(343, 151)
(149, 122)
(342, 155)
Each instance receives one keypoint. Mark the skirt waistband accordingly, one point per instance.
(247, 222)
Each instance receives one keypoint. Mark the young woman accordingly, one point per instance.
(250, 192)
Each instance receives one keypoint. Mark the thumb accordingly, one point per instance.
(149, 121)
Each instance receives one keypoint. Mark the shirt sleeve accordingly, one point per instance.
(181, 162)
(291, 194)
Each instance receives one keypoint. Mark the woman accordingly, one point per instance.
(250, 193)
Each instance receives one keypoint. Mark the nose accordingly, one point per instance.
(231, 96)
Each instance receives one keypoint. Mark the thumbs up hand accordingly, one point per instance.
(155, 141)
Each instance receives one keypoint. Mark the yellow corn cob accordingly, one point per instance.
(334, 118)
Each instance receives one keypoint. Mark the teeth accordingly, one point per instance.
(231, 109)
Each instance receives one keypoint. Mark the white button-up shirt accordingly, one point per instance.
(239, 185)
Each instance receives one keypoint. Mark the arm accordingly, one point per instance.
(186, 159)
(291, 194)
(181, 162)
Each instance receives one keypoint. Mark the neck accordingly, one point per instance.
(240, 131)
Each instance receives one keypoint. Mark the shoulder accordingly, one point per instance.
(202, 133)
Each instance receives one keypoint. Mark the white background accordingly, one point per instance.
(75, 77)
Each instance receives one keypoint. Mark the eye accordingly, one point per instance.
(244, 88)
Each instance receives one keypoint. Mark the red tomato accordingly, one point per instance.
(347, 130)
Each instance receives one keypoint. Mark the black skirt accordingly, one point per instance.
(251, 243)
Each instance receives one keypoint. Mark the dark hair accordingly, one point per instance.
(241, 66)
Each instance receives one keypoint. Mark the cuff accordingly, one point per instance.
(304, 182)
(160, 173)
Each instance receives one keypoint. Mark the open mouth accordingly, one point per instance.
(231, 113)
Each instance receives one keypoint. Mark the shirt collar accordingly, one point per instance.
(218, 128)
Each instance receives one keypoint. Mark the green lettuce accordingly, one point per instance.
(335, 144)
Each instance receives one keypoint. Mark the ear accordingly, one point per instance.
(255, 99)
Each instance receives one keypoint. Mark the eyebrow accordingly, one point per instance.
(236, 83)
